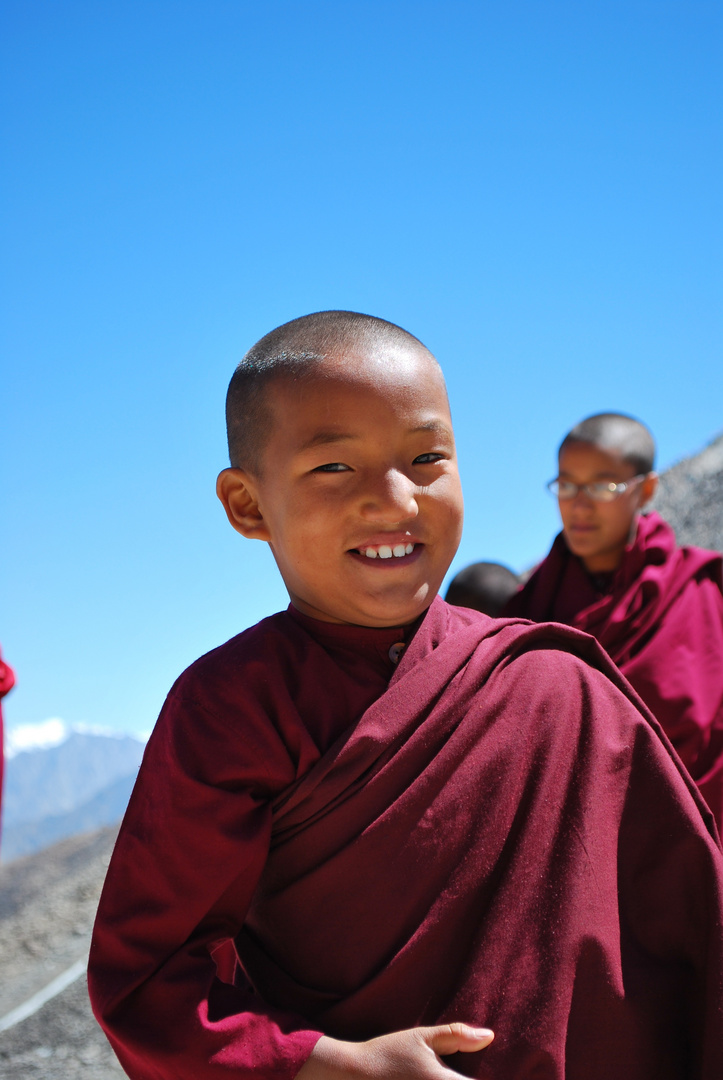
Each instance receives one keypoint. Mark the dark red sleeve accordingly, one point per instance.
(190, 853)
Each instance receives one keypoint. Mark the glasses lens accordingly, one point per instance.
(562, 489)
(599, 490)
(605, 492)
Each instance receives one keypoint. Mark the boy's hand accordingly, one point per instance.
(404, 1055)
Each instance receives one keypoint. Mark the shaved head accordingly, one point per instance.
(483, 586)
(618, 433)
(294, 351)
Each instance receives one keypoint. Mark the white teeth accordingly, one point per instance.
(386, 552)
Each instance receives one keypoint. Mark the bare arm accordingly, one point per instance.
(403, 1055)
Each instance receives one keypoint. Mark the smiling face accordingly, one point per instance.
(358, 495)
(599, 532)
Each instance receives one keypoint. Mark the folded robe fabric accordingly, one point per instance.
(502, 838)
(661, 622)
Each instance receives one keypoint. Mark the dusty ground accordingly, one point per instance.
(47, 906)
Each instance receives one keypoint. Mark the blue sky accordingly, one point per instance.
(533, 189)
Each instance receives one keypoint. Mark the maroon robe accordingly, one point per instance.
(477, 846)
(661, 622)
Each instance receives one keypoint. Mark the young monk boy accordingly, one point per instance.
(373, 826)
(656, 608)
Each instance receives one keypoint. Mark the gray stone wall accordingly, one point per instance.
(690, 497)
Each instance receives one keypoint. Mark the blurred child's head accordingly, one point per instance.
(605, 478)
(343, 460)
(483, 586)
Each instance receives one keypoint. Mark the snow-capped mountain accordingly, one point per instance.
(63, 779)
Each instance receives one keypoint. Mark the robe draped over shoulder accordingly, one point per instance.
(661, 622)
(477, 845)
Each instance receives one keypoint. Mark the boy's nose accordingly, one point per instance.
(581, 498)
(392, 498)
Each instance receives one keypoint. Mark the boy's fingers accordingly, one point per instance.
(456, 1038)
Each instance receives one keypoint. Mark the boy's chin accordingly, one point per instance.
(380, 616)
(584, 544)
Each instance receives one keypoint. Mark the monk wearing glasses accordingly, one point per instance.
(616, 572)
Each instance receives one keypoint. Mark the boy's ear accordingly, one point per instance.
(648, 488)
(237, 491)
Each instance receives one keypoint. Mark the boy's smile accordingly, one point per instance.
(598, 532)
(358, 494)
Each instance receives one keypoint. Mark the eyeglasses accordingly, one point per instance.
(598, 490)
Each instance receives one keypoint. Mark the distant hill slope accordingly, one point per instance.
(57, 779)
(57, 791)
(105, 808)
(690, 497)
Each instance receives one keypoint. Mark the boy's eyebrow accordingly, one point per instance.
(603, 474)
(323, 438)
(435, 426)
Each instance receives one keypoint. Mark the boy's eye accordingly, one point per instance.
(332, 466)
(427, 459)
